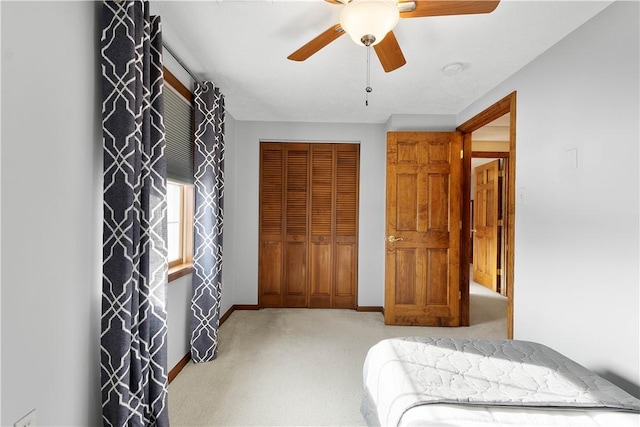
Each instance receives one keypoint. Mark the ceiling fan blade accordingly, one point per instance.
(316, 44)
(337, 1)
(389, 53)
(444, 7)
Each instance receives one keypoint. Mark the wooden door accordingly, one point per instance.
(295, 219)
(333, 225)
(485, 224)
(308, 225)
(271, 226)
(282, 258)
(322, 215)
(345, 279)
(423, 228)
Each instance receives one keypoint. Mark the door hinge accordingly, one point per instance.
(462, 154)
(461, 225)
(500, 174)
(459, 295)
(500, 223)
(499, 272)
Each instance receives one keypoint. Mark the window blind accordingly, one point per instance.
(178, 121)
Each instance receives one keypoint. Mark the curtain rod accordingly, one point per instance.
(182, 64)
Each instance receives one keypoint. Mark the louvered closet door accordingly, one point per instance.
(296, 205)
(323, 215)
(271, 250)
(346, 226)
(308, 248)
(334, 225)
(333, 259)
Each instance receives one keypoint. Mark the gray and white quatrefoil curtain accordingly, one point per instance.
(209, 204)
(133, 349)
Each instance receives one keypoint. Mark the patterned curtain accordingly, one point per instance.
(133, 340)
(207, 240)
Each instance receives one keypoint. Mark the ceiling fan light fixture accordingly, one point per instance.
(368, 21)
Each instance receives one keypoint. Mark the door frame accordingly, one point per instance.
(506, 105)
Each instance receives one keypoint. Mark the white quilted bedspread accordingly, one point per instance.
(401, 373)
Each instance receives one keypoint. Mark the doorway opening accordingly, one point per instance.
(489, 164)
(500, 118)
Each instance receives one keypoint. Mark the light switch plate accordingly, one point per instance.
(572, 158)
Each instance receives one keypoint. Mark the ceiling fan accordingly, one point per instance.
(371, 23)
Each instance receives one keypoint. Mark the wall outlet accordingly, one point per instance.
(28, 420)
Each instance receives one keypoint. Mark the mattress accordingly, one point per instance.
(432, 381)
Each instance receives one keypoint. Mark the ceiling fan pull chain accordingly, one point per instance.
(368, 89)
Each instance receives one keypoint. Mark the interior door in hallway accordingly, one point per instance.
(486, 225)
(423, 228)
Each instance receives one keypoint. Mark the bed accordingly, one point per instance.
(428, 381)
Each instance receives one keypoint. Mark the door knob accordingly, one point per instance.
(394, 239)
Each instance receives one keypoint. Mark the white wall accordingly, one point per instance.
(422, 122)
(577, 243)
(178, 319)
(372, 139)
(230, 216)
(0, 234)
(51, 212)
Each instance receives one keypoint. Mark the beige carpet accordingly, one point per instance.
(299, 366)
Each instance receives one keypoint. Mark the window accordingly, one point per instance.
(175, 204)
(179, 228)
(178, 118)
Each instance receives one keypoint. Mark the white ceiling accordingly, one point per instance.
(243, 46)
